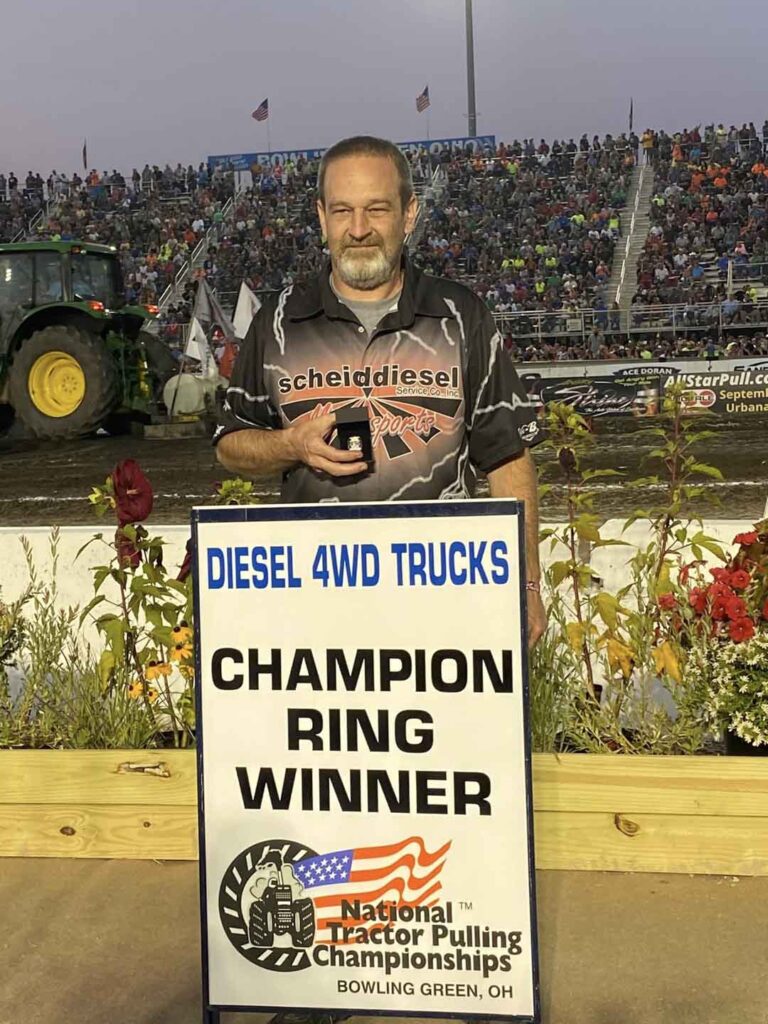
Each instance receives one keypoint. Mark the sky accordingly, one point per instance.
(176, 80)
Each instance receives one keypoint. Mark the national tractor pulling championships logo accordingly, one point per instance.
(285, 907)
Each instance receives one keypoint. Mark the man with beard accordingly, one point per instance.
(419, 355)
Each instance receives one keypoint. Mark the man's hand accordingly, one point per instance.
(537, 618)
(309, 445)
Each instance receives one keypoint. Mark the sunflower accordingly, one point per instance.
(181, 651)
(135, 689)
(181, 634)
(155, 669)
(151, 694)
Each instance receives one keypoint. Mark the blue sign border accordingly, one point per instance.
(372, 510)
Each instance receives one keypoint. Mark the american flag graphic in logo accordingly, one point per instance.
(261, 113)
(422, 100)
(405, 874)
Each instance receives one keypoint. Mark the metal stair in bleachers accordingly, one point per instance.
(635, 223)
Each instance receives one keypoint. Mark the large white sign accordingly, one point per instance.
(365, 829)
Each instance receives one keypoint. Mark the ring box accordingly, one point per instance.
(354, 430)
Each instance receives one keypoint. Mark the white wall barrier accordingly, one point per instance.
(75, 586)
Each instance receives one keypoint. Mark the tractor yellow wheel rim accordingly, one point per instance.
(56, 384)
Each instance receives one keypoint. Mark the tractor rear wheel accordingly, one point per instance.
(63, 383)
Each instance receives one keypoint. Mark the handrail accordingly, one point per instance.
(630, 233)
(186, 269)
(679, 318)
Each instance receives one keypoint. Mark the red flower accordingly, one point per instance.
(128, 554)
(764, 612)
(721, 575)
(741, 629)
(719, 608)
(735, 608)
(745, 539)
(740, 579)
(667, 602)
(186, 566)
(719, 590)
(133, 493)
(698, 600)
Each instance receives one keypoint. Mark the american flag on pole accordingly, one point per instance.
(261, 113)
(422, 100)
(404, 874)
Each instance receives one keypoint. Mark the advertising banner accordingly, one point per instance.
(727, 387)
(739, 392)
(244, 161)
(365, 804)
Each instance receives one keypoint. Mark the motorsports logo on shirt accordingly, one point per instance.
(407, 406)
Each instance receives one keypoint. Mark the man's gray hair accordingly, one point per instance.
(368, 145)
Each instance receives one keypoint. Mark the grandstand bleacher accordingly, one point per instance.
(533, 229)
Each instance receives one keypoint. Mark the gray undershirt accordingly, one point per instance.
(369, 313)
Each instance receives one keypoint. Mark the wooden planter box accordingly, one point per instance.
(699, 815)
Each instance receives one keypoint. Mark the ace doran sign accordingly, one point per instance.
(364, 770)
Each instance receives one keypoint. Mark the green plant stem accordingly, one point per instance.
(571, 534)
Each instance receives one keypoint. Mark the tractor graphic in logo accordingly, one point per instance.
(278, 907)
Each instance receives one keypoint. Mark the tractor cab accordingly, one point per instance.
(72, 351)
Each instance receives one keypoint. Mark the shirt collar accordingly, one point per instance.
(418, 298)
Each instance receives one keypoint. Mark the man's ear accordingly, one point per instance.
(321, 216)
(411, 213)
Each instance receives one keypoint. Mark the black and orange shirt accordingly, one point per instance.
(442, 396)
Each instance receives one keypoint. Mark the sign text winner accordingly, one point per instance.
(344, 670)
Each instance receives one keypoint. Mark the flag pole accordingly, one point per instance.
(429, 137)
(269, 142)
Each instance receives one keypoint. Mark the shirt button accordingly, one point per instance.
(360, 330)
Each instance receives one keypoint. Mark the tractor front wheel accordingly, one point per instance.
(63, 383)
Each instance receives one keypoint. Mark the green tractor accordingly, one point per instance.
(73, 355)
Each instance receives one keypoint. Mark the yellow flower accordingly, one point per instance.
(156, 669)
(151, 695)
(188, 671)
(135, 689)
(181, 634)
(180, 651)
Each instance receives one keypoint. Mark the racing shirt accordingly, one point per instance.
(442, 396)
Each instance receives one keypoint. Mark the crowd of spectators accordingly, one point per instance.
(154, 220)
(531, 227)
(709, 208)
(528, 227)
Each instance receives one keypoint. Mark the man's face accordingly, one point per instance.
(364, 221)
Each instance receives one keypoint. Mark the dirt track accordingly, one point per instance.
(48, 484)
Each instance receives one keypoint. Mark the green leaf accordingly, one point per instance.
(586, 528)
(705, 470)
(99, 575)
(558, 572)
(608, 609)
(594, 474)
(90, 606)
(106, 666)
(95, 537)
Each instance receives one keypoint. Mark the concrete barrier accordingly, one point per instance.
(75, 586)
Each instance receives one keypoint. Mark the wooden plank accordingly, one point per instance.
(678, 844)
(631, 784)
(161, 777)
(58, 830)
(564, 841)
